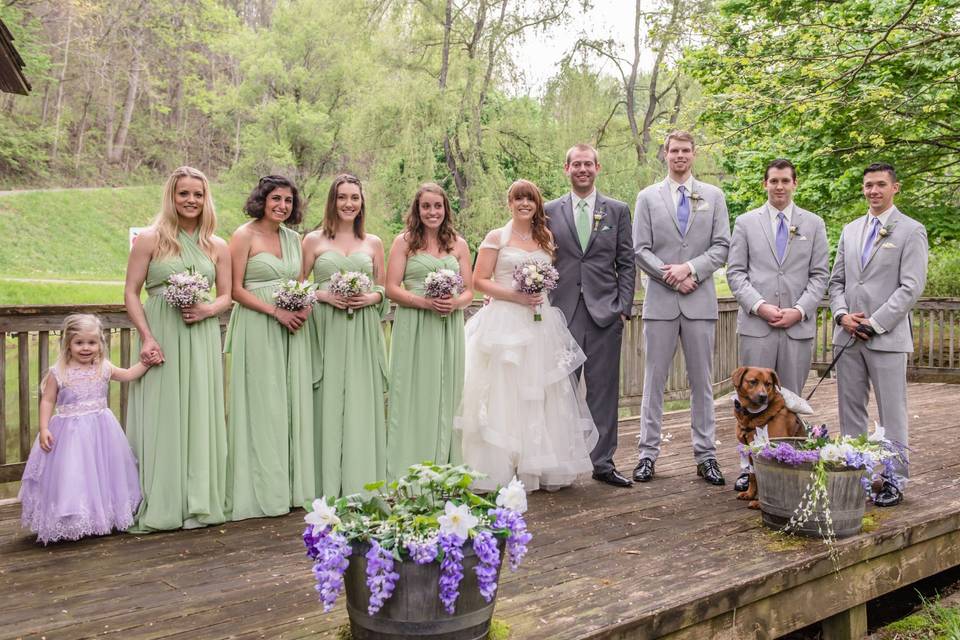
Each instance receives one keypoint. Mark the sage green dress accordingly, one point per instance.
(426, 376)
(175, 415)
(350, 377)
(270, 467)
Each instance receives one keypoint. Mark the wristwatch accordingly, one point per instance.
(839, 318)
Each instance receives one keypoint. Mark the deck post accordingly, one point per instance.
(846, 625)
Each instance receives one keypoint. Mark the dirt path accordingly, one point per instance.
(58, 280)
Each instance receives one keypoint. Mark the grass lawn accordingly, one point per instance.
(43, 293)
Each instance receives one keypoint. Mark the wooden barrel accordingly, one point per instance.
(781, 488)
(414, 610)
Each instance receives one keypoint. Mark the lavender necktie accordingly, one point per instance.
(781, 236)
(683, 210)
(871, 238)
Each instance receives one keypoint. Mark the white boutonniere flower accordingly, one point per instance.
(699, 202)
(598, 217)
(887, 229)
(795, 233)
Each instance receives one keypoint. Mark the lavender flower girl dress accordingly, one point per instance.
(87, 484)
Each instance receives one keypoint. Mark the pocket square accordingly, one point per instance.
(702, 206)
(605, 227)
(888, 245)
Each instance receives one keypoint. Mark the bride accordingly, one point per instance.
(521, 413)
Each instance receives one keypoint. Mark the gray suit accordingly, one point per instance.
(755, 274)
(669, 315)
(885, 291)
(596, 286)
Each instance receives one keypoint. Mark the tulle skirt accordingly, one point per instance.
(522, 413)
(86, 485)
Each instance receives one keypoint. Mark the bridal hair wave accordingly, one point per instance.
(256, 205)
(330, 218)
(166, 223)
(539, 231)
(416, 231)
(74, 324)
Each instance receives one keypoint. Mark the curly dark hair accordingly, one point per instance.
(257, 200)
(417, 233)
(330, 218)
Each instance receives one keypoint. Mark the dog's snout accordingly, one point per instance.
(762, 397)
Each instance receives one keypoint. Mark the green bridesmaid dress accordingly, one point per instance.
(426, 376)
(175, 415)
(349, 384)
(270, 466)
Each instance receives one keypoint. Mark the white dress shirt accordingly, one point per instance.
(591, 201)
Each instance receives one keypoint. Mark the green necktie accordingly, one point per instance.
(583, 223)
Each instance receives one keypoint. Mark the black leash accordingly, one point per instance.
(853, 338)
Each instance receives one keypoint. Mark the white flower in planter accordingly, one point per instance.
(513, 496)
(457, 520)
(323, 515)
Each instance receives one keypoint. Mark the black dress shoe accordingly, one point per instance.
(613, 478)
(742, 483)
(888, 496)
(709, 470)
(643, 472)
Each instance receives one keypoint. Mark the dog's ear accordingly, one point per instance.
(776, 378)
(737, 376)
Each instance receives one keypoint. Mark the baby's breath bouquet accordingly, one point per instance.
(426, 516)
(293, 295)
(348, 284)
(186, 288)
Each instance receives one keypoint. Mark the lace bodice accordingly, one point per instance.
(83, 389)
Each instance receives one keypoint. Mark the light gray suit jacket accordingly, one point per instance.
(657, 241)
(603, 271)
(888, 286)
(755, 274)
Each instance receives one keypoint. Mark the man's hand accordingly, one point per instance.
(674, 274)
(769, 312)
(688, 286)
(788, 318)
(851, 321)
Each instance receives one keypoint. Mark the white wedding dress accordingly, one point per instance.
(521, 412)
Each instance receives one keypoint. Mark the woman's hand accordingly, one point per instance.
(444, 306)
(331, 299)
(196, 313)
(528, 299)
(46, 440)
(292, 320)
(150, 353)
(363, 300)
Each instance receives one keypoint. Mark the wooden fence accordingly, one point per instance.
(29, 335)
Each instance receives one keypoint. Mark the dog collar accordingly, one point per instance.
(740, 407)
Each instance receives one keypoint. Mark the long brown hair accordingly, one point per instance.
(416, 232)
(330, 217)
(539, 231)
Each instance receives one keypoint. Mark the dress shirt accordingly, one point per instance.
(591, 201)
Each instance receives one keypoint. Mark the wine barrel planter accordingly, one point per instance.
(782, 487)
(414, 610)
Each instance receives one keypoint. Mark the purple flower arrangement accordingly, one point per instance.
(348, 284)
(186, 288)
(426, 516)
(442, 283)
(294, 296)
(534, 277)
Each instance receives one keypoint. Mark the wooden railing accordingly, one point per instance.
(29, 343)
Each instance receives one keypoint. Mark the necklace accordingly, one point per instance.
(524, 237)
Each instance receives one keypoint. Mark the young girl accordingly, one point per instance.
(81, 477)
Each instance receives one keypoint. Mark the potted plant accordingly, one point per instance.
(815, 485)
(419, 557)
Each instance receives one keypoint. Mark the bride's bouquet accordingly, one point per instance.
(442, 283)
(294, 296)
(534, 277)
(348, 284)
(186, 288)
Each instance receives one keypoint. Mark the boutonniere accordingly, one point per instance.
(793, 230)
(698, 201)
(887, 229)
(598, 217)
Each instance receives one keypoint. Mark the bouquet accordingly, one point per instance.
(186, 288)
(442, 283)
(294, 296)
(425, 516)
(348, 284)
(533, 277)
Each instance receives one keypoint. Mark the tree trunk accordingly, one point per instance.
(81, 131)
(668, 39)
(631, 89)
(59, 106)
(120, 138)
(459, 179)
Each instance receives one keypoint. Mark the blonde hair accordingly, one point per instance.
(166, 222)
(73, 325)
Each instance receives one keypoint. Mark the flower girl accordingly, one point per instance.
(81, 477)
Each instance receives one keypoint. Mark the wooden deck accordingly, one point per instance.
(674, 558)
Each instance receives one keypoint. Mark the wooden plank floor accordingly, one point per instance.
(604, 562)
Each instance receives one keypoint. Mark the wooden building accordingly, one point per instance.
(12, 79)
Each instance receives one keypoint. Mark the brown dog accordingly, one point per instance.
(758, 404)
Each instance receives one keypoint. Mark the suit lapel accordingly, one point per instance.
(764, 219)
(566, 212)
(667, 198)
(795, 223)
(857, 243)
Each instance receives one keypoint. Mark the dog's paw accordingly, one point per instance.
(754, 504)
(747, 495)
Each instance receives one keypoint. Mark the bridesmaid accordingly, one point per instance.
(427, 345)
(271, 462)
(349, 353)
(175, 417)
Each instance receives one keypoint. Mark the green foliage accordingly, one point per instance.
(935, 621)
(943, 273)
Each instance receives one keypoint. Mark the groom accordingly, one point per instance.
(595, 260)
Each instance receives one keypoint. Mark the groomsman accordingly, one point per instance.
(778, 268)
(595, 261)
(681, 234)
(879, 273)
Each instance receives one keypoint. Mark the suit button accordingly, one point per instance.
(780, 272)
(578, 284)
(860, 282)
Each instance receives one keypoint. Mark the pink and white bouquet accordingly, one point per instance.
(348, 284)
(534, 277)
(293, 295)
(186, 288)
(442, 283)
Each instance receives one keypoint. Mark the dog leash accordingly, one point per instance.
(853, 338)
